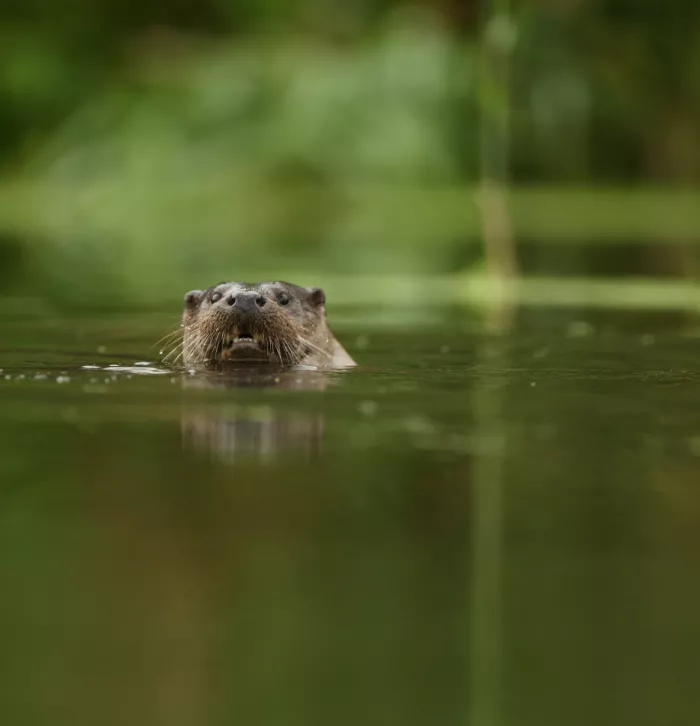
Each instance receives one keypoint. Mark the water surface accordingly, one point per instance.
(493, 520)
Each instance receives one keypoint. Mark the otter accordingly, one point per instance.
(273, 323)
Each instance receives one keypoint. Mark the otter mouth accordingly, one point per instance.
(233, 340)
(242, 343)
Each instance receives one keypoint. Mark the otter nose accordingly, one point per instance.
(246, 302)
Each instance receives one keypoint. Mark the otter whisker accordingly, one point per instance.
(178, 350)
(190, 349)
(168, 349)
(314, 347)
(166, 338)
(283, 346)
(293, 354)
(171, 343)
(220, 342)
(169, 346)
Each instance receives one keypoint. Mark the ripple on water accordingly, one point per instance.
(140, 368)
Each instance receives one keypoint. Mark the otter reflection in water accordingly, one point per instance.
(234, 432)
(273, 323)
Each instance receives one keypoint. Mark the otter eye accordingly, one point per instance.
(283, 299)
(216, 297)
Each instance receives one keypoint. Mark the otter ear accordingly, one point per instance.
(193, 298)
(316, 296)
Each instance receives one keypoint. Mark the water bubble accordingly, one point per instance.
(579, 329)
(94, 388)
(368, 408)
(419, 425)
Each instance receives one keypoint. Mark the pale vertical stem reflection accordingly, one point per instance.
(487, 527)
(487, 555)
(497, 41)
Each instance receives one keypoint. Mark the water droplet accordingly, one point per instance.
(579, 329)
(368, 408)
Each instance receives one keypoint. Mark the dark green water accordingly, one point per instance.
(474, 527)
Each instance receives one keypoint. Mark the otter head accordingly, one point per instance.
(271, 322)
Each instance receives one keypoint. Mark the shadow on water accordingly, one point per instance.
(487, 522)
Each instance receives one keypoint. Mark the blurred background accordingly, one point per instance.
(148, 147)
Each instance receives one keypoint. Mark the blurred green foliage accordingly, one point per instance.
(238, 136)
(600, 90)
